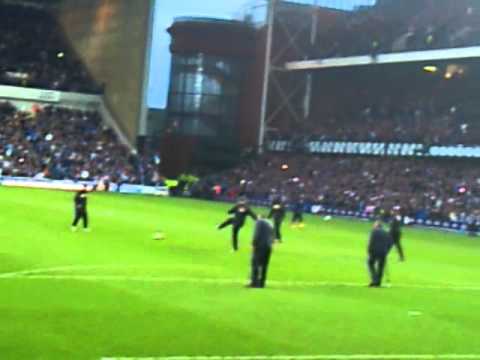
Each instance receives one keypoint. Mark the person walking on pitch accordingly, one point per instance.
(396, 233)
(239, 213)
(297, 208)
(277, 212)
(379, 245)
(262, 250)
(80, 202)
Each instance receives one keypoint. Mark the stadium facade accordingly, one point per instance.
(306, 64)
(210, 91)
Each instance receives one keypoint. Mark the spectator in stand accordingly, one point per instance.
(384, 29)
(419, 121)
(435, 189)
(62, 143)
(34, 52)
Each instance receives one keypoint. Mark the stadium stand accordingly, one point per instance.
(432, 104)
(62, 143)
(402, 103)
(424, 189)
(34, 53)
(386, 29)
(413, 121)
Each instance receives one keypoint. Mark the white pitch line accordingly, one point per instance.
(224, 281)
(313, 357)
(79, 268)
(52, 269)
(39, 274)
(127, 278)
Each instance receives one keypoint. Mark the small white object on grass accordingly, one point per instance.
(327, 218)
(414, 313)
(158, 235)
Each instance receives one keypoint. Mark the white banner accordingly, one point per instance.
(377, 148)
(21, 93)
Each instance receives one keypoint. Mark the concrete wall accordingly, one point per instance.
(112, 38)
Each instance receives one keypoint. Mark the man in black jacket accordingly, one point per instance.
(277, 212)
(239, 212)
(262, 249)
(378, 247)
(80, 201)
(396, 233)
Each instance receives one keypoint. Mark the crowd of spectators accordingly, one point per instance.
(62, 143)
(418, 121)
(427, 189)
(382, 29)
(34, 52)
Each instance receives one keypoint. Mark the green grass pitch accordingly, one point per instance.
(116, 292)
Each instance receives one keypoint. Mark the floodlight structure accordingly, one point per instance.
(290, 36)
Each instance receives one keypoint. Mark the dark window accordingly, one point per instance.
(203, 94)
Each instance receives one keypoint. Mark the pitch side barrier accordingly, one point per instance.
(315, 209)
(70, 185)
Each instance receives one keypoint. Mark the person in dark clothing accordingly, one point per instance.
(240, 211)
(379, 245)
(396, 233)
(297, 208)
(80, 201)
(277, 212)
(262, 249)
(472, 227)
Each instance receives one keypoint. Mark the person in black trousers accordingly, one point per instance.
(297, 208)
(396, 233)
(80, 201)
(277, 212)
(379, 245)
(262, 249)
(240, 211)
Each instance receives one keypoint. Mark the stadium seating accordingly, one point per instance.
(427, 189)
(33, 52)
(382, 29)
(414, 122)
(62, 143)
(399, 103)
